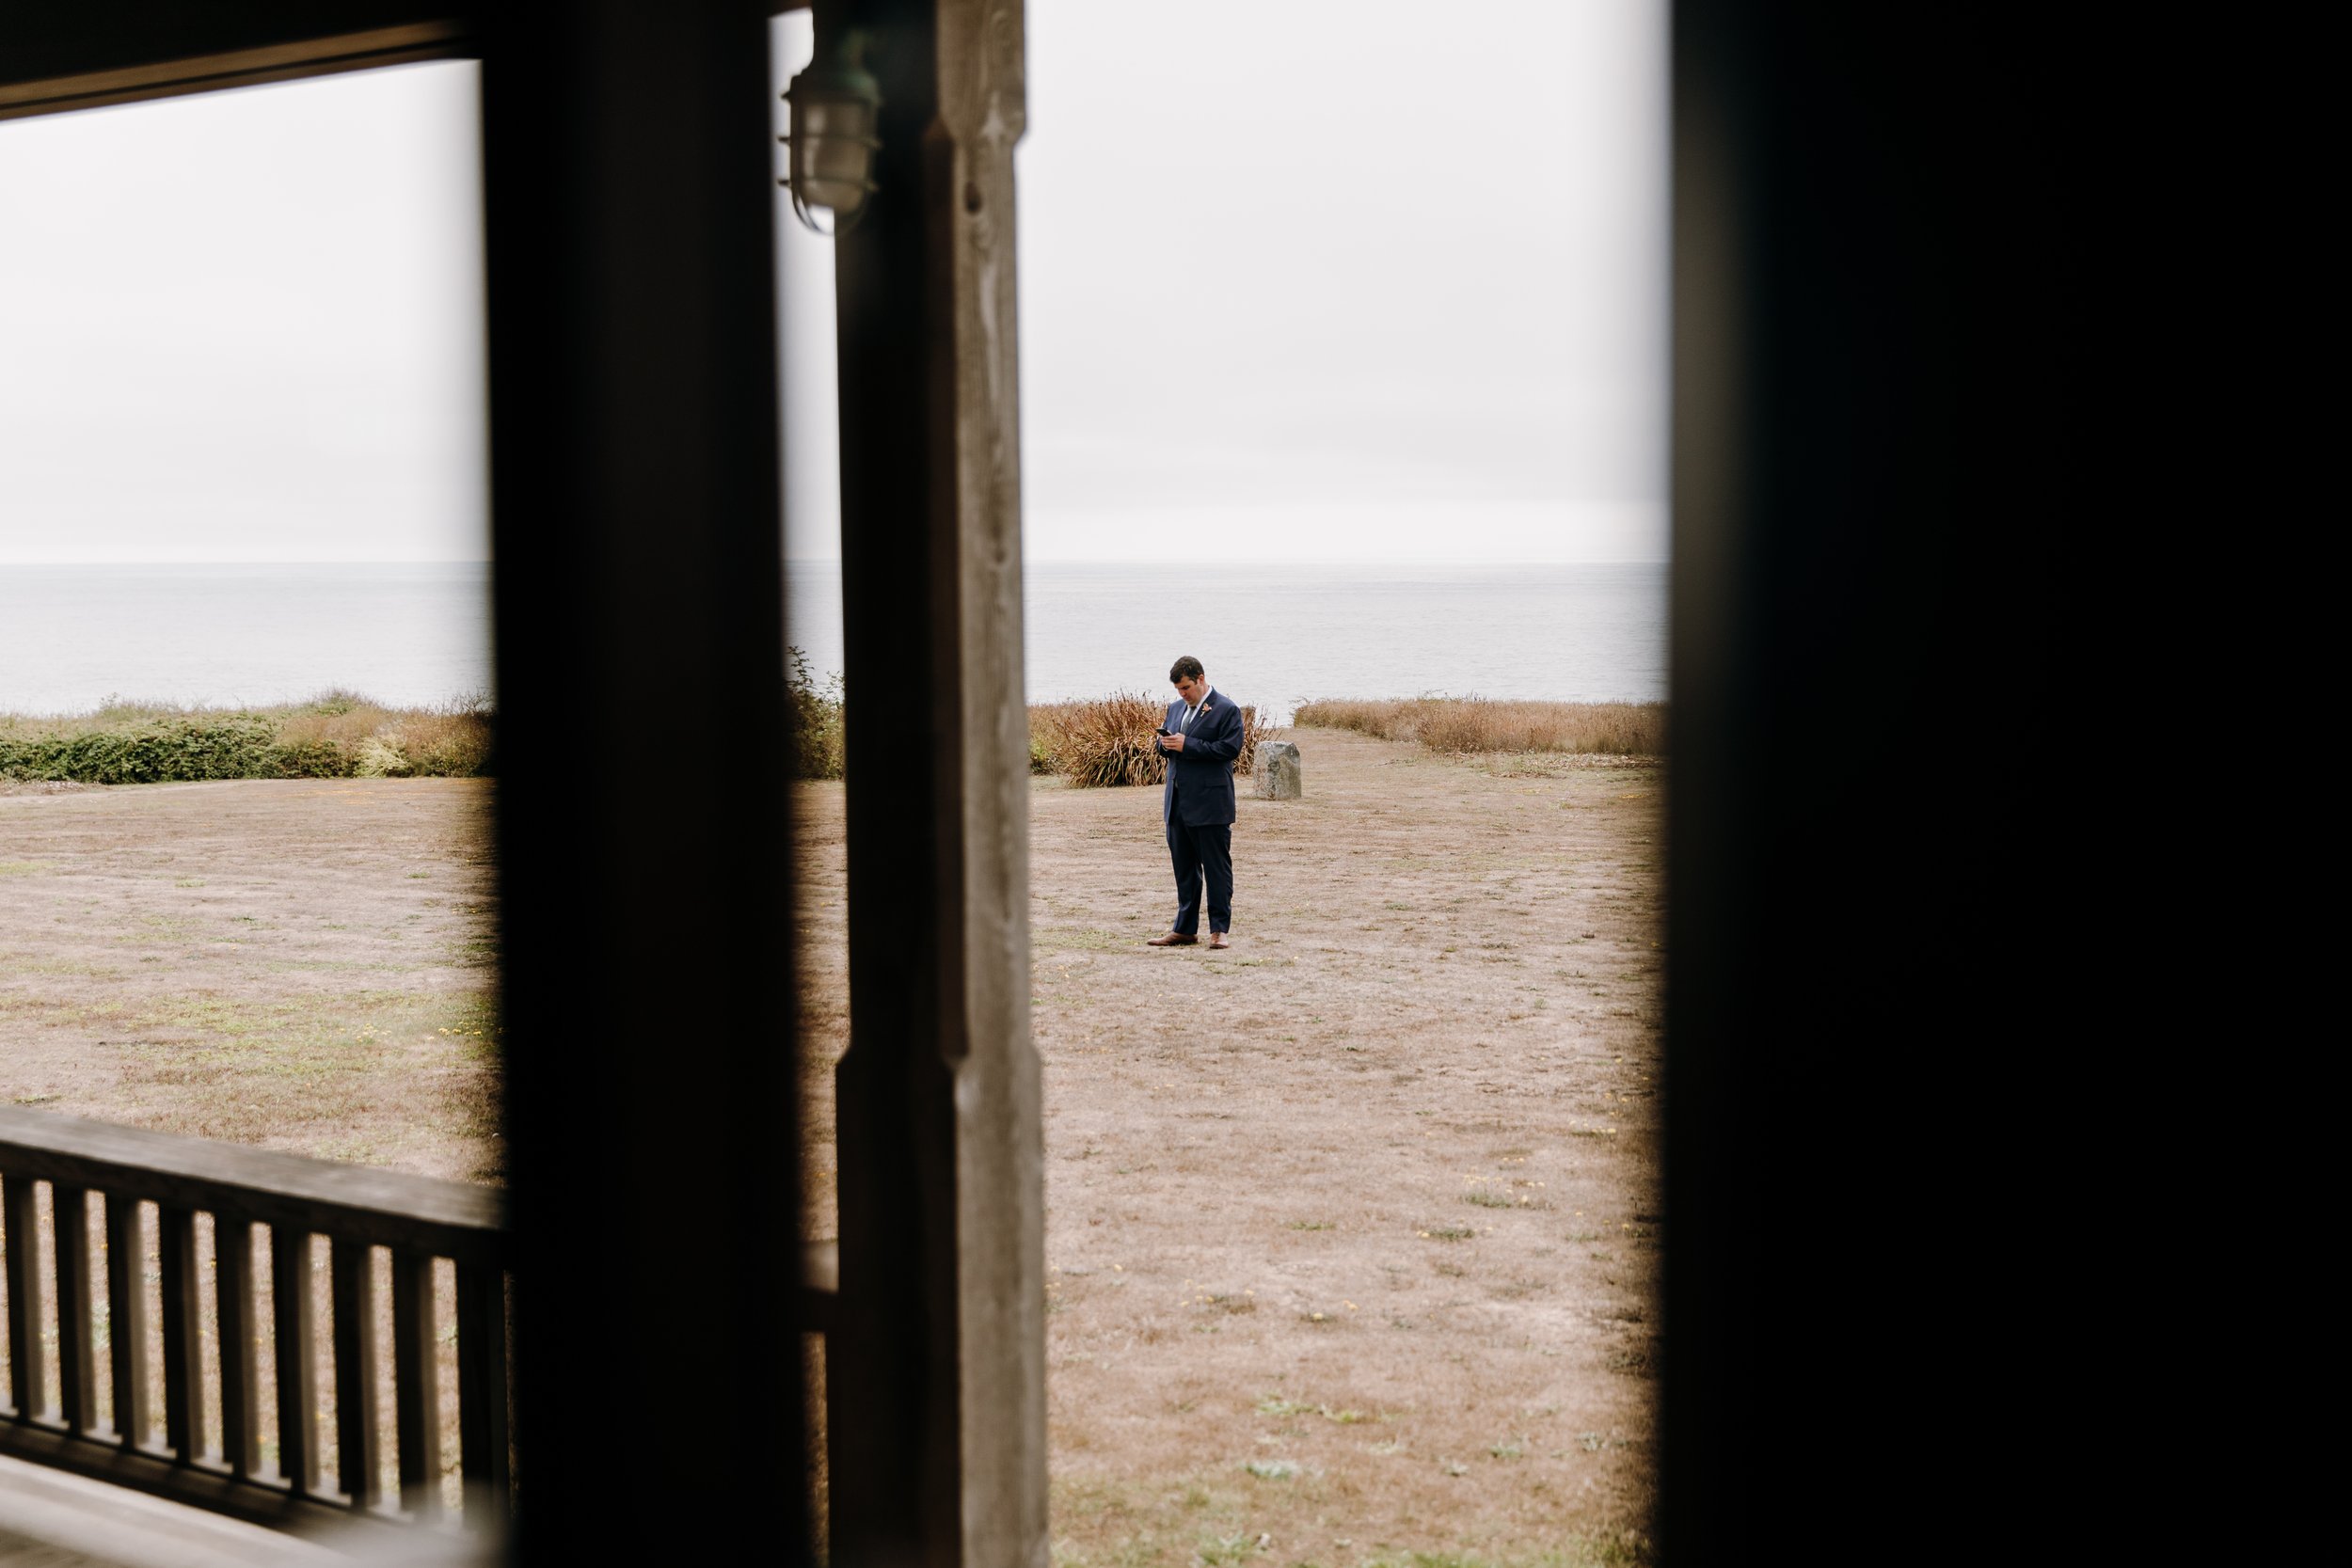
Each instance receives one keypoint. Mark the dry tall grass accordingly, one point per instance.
(1481, 724)
(1107, 741)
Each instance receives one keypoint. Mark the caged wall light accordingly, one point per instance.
(837, 105)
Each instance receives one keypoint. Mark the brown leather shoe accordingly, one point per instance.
(1174, 939)
(1217, 940)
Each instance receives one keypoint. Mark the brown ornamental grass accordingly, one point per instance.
(1463, 724)
(1102, 742)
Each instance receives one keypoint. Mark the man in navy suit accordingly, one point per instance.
(1200, 737)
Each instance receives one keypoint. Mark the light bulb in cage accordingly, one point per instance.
(836, 109)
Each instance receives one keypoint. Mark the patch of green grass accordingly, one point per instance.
(1447, 1233)
(1274, 1404)
(22, 868)
(1313, 1225)
(1488, 1200)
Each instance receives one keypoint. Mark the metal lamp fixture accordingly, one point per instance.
(837, 105)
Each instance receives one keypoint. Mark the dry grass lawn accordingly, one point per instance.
(303, 964)
(1352, 1229)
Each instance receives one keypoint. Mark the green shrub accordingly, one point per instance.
(313, 759)
(336, 736)
(239, 746)
(817, 712)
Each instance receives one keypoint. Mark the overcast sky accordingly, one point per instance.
(1299, 279)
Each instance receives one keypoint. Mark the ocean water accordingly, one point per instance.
(241, 635)
(1278, 635)
(413, 635)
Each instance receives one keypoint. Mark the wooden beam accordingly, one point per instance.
(935, 1382)
(130, 76)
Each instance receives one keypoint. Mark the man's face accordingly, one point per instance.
(1190, 688)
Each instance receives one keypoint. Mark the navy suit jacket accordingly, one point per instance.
(1199, 788)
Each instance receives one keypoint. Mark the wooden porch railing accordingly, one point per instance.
(417, 1219)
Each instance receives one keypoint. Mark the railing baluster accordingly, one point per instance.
(239, 1370)
(482, 1393)
(77, 1390)
(295, 1316)
(54, 1168)
(361, 1475)
(126, 1319)
(184, 1363)
(28, 1370)
(416, 1382)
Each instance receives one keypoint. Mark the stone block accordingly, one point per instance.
(1278, 773)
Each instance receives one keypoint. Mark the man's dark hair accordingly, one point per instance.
(1185, 666)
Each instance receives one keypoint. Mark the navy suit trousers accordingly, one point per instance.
(1199, 854)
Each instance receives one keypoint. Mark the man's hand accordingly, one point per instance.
(1172, 742)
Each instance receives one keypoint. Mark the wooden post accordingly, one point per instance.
(183, 1350)
(481, 1439)
(126, 1320)
(416, 1382)
(293, 1295)
(358, 1469)
(1880, 453)
(28, 1372)
(77, 1364)
(239, 1370)
(935, 1383)
(647, 955)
